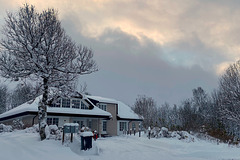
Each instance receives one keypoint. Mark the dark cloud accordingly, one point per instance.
(129, 67)
(162, 49)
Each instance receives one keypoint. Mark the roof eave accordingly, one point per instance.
(129, 119)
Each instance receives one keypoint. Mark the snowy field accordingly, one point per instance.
(19, 145)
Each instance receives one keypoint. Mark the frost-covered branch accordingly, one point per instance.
(36, 47)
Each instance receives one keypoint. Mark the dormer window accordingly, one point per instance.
(65, 103)
(76, 103)
(102, 106)
(71, 103)
(83, 105)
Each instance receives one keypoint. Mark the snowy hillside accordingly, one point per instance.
(19, 145)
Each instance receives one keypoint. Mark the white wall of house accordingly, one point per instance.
(63, 120)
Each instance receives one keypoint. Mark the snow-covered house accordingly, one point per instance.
(123, 118)
(107, 117)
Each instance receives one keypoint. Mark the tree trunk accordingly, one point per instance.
(42, 115)
(42, 110)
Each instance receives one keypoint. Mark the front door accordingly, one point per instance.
(104, 127)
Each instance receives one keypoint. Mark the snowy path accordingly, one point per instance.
(26, 146)
(134, 148)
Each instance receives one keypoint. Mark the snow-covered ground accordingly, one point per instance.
(19, 145)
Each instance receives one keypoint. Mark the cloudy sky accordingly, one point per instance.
(159, 48)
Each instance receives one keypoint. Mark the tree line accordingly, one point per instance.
(20, 94)
(216, 113)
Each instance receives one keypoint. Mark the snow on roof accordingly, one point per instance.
(102, 99)
(33, 107)
(124, 111)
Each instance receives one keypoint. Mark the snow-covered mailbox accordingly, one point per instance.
(70, 128)
(86, 140)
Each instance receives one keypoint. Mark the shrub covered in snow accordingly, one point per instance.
(33, 129)
(52, 132)
(156, 132)
(17, 124)
(183, 135)
(5, 128)
(164, 132)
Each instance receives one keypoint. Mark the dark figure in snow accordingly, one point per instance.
(149, 132)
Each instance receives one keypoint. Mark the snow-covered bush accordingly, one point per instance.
(207, 137)
(33, 129)
(164, 132)
(5, 128)
(52, 132)
(17, 124)
(156, 132)
(183, 135)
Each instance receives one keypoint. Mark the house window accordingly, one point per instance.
(123, 126)
(52, 121)
(65, 103)
(83, 106)
(81, 124)
(133, 126)
(56, 104)
(49, 121)
(75, 103)
(89, 124)
(55, 121)
(103, 107)
(104, 125)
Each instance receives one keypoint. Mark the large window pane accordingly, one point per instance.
(123, 126)
(104, 125)
(103, 107)
(52, 121)
(84, 106)
(49, 121)
(65, 103)
(75, 103)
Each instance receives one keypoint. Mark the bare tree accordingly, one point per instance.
(229, 92)
(188, 115)
(3, 98)
(36, 47)
(229, 96)
(146, 107)
(21, 94)
(202, 105)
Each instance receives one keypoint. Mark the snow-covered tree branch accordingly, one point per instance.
(36, 47)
